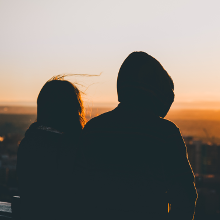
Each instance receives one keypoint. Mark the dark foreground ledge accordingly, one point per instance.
(10, 210)
(5, 211)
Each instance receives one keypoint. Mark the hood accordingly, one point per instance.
(143, 80)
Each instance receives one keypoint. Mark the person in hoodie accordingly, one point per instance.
(46, 154)
(134, 162)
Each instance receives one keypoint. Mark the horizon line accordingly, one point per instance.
(203, 105)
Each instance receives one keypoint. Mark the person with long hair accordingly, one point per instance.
(46, 154)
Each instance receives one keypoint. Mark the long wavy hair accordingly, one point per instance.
(59, 105)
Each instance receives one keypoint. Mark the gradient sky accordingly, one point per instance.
(43, 38)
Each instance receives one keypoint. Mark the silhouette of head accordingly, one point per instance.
(142, 79)
(59, 105)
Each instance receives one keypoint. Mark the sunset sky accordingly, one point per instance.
(43, 38)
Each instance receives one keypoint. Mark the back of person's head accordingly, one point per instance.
(142, 80)
(59, 106)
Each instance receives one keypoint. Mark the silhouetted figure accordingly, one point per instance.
(46, 154)
(132, 162)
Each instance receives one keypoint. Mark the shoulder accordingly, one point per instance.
(167, 124)
(100, 121)
(165, 129)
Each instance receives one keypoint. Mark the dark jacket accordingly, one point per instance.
(133, 163)
(44, 168)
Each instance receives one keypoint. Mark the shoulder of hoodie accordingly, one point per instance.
(170, 127)
(166, 126)
(99, 121)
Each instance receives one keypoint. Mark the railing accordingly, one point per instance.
(10, 210)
